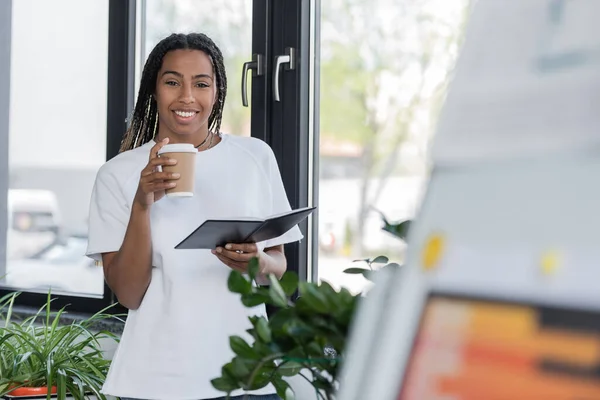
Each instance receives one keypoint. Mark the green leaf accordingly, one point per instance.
(310, 293)
(400, 230)
(241, 348)
(284, 390)
(262, 379)
(382, 215)
(323, 384)
(346, 306)
(315, 349)
(41, 351)
(254, 299)
(336, 300)
(61, 384)
(289, 283)
(276, 293)
(240, 368)
(262, 330)
(274, 347)
(355, 271)
(380, 260)
(253, 268)
(289, 368)
(299, 329)
(237, 283)
(227, 372)
(224, 385)
(280, 318)
(262, 349)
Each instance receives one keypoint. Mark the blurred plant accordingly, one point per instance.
(301, 338)
(39, 352)
(397, 229)
(305, 338)
(367, 272)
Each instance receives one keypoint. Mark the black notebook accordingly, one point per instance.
(218, 232)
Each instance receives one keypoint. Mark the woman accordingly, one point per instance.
(181, 313)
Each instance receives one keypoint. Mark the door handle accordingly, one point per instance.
(290, 59)
(257, 65)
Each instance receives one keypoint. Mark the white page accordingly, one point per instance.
(527, 83)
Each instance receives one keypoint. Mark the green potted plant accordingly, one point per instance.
(300, 337)
(305, 338)
(41, 356)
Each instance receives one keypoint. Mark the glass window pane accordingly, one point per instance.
(229, 25)
(57, 142)
(384, 69)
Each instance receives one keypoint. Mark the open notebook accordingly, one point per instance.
(218, 232)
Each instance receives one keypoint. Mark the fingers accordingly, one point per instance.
(235, 265)
(156, 148)
(237, 255)
(153, 178)
(233, 255)
(156, 186)
(159, 176)
(238, 252)
(154, 181)
(161, 161)
(154, 164)
(243, 247)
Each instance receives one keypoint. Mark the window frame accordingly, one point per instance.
(293, 130)
(120, 95)
(5, 51)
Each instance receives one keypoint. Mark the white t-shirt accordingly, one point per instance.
(178, 339)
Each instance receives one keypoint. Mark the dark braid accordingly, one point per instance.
(144, 122)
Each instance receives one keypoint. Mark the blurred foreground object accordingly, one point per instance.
(507, 304)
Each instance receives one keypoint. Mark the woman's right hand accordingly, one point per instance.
(153, 181)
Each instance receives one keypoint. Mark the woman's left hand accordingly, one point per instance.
(237, 256)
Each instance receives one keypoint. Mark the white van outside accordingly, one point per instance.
(34, 222)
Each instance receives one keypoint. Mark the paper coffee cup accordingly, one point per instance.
(185, 154)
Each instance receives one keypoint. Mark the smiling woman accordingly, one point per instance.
(185, 94)
(134, 227)
(182, 93)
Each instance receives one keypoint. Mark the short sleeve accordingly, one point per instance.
(108, 217)
(280, 204)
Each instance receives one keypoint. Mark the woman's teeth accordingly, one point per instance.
(185, 114)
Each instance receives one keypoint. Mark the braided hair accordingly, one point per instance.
(144, 121)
